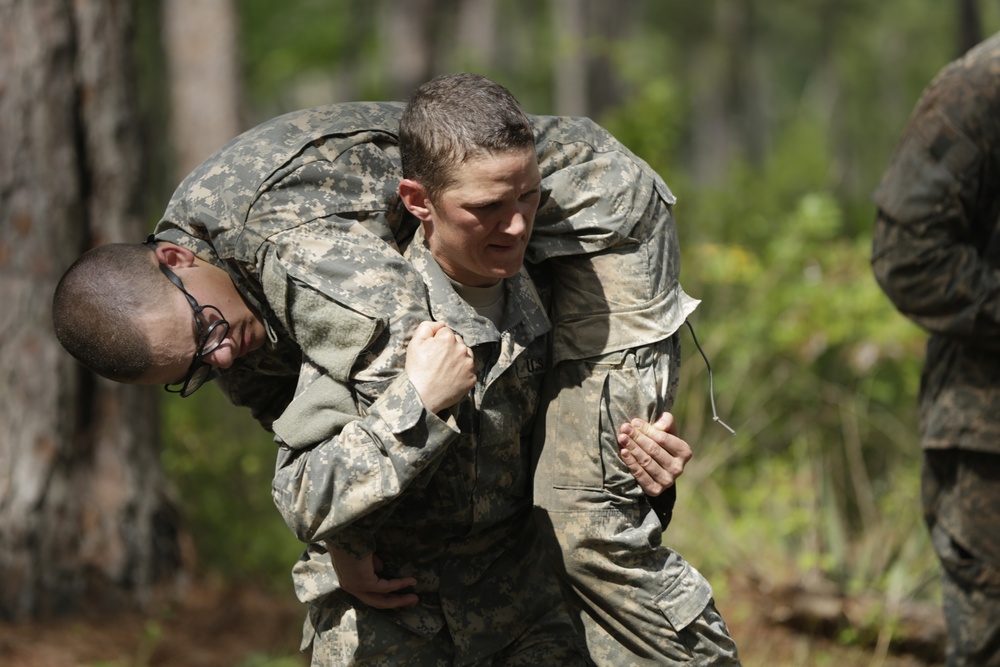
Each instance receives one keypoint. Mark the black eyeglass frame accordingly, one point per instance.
(199, 372)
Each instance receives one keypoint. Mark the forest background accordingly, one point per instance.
(772, 122)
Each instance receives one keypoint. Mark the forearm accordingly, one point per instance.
(941, 282)
(322, 489)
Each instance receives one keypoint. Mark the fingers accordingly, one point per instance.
(649, 486)
(427, 329)
(455, 340)
(653, 454)
(385, 593)
(666, 422)
(390, 601)
(659, 440)
(380, 586)
(359, 577)
(440, 366)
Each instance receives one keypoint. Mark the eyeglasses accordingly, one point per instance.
(212, 331)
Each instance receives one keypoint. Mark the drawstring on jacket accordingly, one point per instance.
(711, 384)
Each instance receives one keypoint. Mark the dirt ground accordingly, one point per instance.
(212, 625)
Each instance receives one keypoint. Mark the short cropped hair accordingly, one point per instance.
(97, 306)
(453, 118)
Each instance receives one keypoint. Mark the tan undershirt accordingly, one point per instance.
(487, 301)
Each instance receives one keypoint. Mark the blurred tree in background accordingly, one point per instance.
(86, 517)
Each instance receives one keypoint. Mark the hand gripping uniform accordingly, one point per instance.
(936, 253)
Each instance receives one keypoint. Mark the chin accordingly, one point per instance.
(508, 269)
(504, 274)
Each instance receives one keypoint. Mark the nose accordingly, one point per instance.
(222, 356)
(516, 224)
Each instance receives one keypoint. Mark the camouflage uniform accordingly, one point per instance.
(299, 213)
(302, 214)
(936, 253)
(616, 308)
(463, 529)
(309, 198)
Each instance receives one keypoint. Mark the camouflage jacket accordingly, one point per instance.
(302, 213)
(936, 250)
(309, 198)
(465, 531)
(335, 170)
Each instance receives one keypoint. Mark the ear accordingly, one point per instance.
(415, 199)
(174, 256)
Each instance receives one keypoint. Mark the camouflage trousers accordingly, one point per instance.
(638, 601)
(961, 498)
(354, 635)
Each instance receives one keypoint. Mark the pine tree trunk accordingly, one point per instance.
(200, 38)
(970, 26)
(408, 28)
(84, 515)
(569, 24)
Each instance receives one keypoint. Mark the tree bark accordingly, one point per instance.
(410, 46)
(84, 514)
(610, 25)
(587, 34)
(713, 133)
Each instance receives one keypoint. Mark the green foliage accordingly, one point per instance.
(287, 41)
(221, 462)
(658, 134)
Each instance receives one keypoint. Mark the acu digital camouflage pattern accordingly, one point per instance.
(309, 196)
(639, 602)
(337, 168)
(936, 254)
(302, 213)
(961, 497)
(546, 642)
(463, 529)
(613, 265)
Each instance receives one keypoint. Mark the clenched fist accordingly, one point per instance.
(440, 366)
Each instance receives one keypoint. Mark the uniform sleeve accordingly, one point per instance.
(324, 489)
(934, 247)
(356, 434)
(266, 396)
